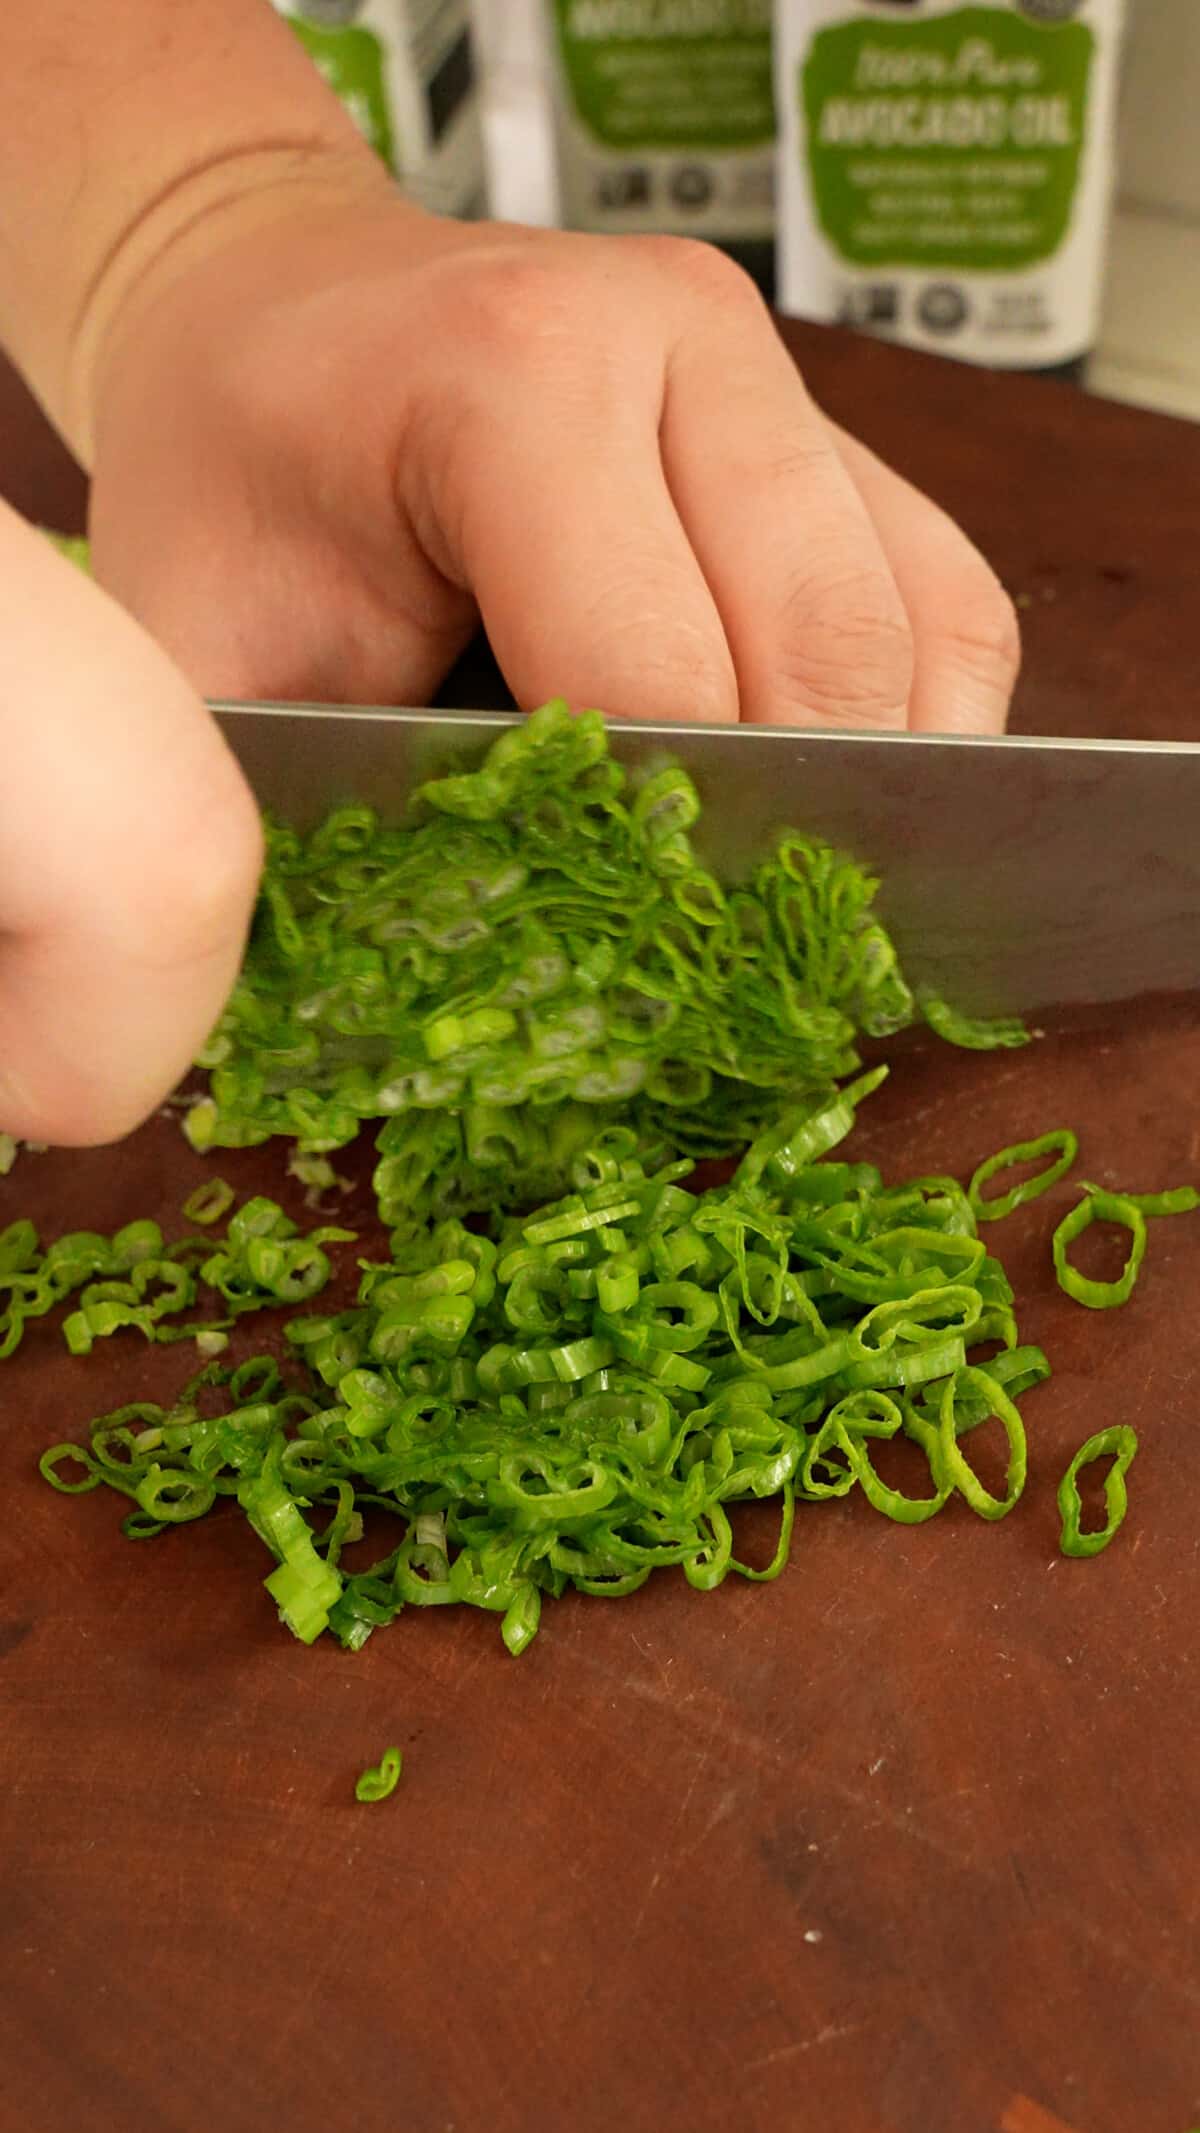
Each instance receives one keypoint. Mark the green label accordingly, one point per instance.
(692, 74)
(954, 141)
(352, 63)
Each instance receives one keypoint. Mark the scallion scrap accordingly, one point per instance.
(972, 1033)
(209, 1201)
(537, 951)
(1062, 1147)
(1120, 1444)
(1098, 1206)
(553, 1011)
(577, 1400)
(381, 1781)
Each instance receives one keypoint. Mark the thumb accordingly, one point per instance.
(130, 851)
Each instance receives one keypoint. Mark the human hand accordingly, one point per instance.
(330, 438)
(129, 857)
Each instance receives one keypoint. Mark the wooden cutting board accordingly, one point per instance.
(904, 1843)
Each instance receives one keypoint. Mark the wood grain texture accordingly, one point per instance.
(905, 1843)
(38, 476)
(1021, 2116)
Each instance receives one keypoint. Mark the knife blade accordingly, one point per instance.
(1017, 874)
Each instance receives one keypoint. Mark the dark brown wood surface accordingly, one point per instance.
(37, 475)
(908, 1842)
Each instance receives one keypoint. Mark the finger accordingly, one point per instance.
(553, 509)
(129, 855)
(815, 622)
(966, 640)
(285, 596)
(304, 627)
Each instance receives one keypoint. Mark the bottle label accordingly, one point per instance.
(669, 74)
(949, 141)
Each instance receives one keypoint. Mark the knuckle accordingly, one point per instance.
(206, 877)
(981, 630)
(88, 1114)
(702, 272)
(848, 649)
(516, 301)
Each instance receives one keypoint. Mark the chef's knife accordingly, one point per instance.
(1017, 874)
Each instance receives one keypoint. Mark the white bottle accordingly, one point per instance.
(405, 70)
(664, 118)
(946, 171)
(519, 146)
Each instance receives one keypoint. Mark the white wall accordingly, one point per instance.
(1160, 116)
(1149, 348)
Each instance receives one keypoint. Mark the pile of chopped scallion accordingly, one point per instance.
(550, 1004)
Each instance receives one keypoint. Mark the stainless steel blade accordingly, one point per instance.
(1017, 874)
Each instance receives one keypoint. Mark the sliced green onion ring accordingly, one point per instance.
(1098, 1206)
(381, 1780)
(1061, 1145)
(1119, 1443)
